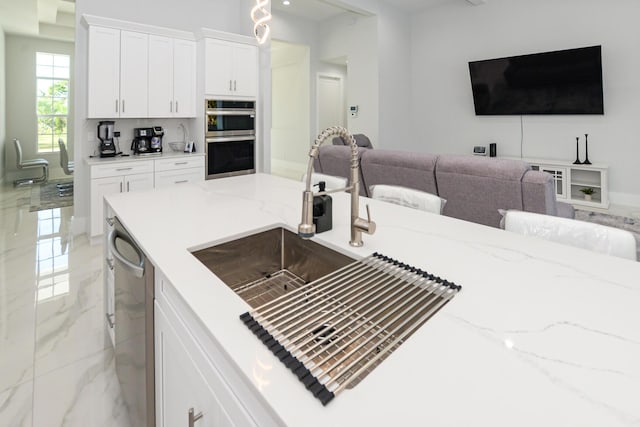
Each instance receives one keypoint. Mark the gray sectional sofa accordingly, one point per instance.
(474, 187)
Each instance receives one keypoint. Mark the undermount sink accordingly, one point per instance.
(266, 265)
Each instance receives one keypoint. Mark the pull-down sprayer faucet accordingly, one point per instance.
(307, 229)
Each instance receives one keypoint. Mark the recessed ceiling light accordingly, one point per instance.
(286, 2)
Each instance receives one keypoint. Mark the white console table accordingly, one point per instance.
(570, 179)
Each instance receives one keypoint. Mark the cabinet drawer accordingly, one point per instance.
(181, 176)
(179, 163)
(121, 169)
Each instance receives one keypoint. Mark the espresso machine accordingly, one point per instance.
(147, 140)
(105, 135)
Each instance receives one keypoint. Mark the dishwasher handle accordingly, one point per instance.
(136, 269)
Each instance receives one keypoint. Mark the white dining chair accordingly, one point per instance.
(67, 167)
(332, 182)
(408, 197)
(30, 164)
(580, 234)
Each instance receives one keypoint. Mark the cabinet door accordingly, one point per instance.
(138, 182)
(103, 73)
(184, 78)
(180, 386)
(160, 77)
(245, 75)
(133, 74)
(218, 67)
(101, 187)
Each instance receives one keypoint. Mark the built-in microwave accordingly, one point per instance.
(230, 118)
(230, 136)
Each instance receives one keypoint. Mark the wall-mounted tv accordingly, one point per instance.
(560, 82)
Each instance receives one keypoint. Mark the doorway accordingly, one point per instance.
(290, 109)
(330, 101)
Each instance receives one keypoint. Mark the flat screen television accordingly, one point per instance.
(560, 82)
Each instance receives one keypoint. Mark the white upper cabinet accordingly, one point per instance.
(104, 72)
(117, 73)
(172, 77)
(231, 69)
(134, 48)
(184, 78)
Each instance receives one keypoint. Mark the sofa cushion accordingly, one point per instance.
(411, 170)
(476, 187)
(336, 160)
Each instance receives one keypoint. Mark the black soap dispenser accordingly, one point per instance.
(322, 210)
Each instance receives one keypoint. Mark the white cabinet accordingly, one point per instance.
(572, 180)
(172, 77)
(117, 73)
(178, 171)
(231, 69)
(180, 386)
(118, 178)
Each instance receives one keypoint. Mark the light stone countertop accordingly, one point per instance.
(166, 154)
(540, 335)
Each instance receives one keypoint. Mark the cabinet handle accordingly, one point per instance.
(117, 105)
(121, 187)
(180, 163)
(176, 106)
(127, 186)
(234, 86)
(109, 321)
(193, 417)
(181, 182)
(230, 85)
(123, 105)
(110, 263)
(123, 169)
(171, 106)
(110, 221)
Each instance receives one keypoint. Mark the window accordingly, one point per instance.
(52, 99)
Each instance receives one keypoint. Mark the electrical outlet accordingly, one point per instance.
(116, 134)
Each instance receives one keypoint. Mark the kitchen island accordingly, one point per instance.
(540, 335)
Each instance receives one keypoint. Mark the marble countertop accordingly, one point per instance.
(167, 154)
(540, 335)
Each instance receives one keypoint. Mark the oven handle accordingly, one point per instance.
(251, 113)
(231, 138)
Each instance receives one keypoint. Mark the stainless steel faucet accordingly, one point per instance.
(307, 229)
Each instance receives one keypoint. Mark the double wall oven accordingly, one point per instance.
(230, 136)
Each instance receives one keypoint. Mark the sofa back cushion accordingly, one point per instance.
(399, 168)
(476, 187)
(336, 160)
(538, 193)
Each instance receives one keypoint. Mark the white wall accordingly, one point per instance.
(355, 37)
(447, 37)
(188, 15)
(21, 96)
(3, 110)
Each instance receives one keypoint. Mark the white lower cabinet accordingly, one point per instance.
(181, 387)
(119, 179)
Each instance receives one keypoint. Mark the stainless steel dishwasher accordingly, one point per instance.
(134, 346)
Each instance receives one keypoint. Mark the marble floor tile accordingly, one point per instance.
(84, 393)
(17, 325)
(16, 405)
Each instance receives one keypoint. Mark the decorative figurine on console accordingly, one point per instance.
(577, 162)
(586, 150)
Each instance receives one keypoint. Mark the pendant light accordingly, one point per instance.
(260, 16)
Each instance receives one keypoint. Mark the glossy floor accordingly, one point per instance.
(56, 366)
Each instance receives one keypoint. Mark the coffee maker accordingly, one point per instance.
(105, 135)
(147, 140)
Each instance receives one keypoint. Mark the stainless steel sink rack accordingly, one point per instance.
(335, 330)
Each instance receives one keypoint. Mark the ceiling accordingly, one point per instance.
(319, 10)
(51, 19)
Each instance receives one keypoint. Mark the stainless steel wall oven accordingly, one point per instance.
(230, 136)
